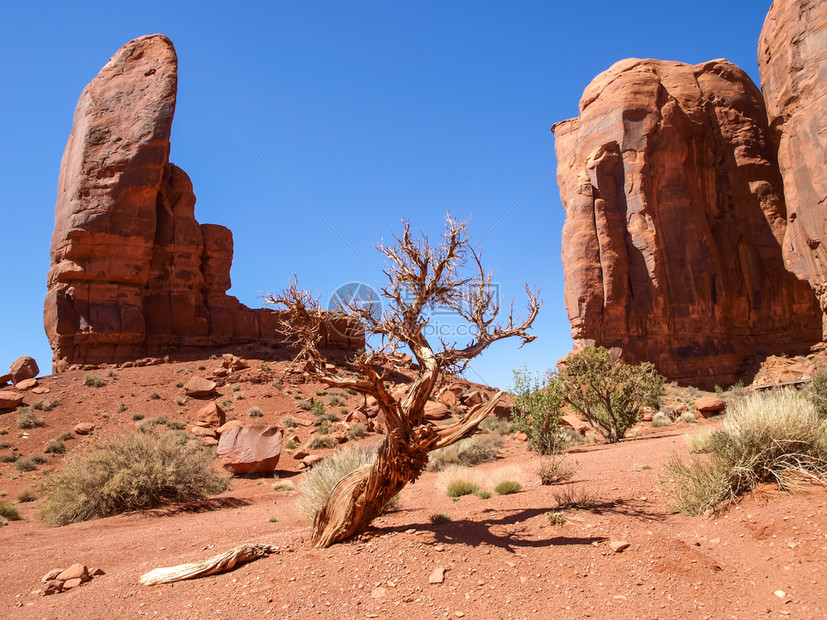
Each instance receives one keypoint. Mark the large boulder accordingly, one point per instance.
(23, 368)
(251, 448)
(10, 399)
(133, 273)
(792, 59)
(675, 217)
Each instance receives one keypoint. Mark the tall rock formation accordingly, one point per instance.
(133, 273)
(792, 58)
(674, 221)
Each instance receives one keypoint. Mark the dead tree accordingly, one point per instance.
(420, 276)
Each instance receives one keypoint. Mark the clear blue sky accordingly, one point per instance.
(373, 111)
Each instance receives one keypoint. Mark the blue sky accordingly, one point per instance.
(373, 111)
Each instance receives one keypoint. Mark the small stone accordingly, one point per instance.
(437, 575)
(84, 428)
(378, 593)
(310, 461)
(75, 571)
(300, 454)
(71, 583)
(520, 436)
(53, 586)
(96, 572)
(40, 390)
(52, 574)
(200, 387)
(211, 414)
(780, 593)
(618, 545)
(459, 614)
(25, 384)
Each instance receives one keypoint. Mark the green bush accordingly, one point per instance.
(129, 472)
(538, 406)
(319, 481)
(318, 408)
(507, 487)
(55, 447)
(457, 481)
(468, 452)
(775, 437)
(818, 393)
(483, 494)
(609, 393)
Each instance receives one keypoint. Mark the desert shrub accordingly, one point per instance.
(818, 393)
(176, 425)
(26, 464)
(236, 388)
(288, 422)
(46, 405)
(227, 404)
(468, 452)
(335, 401)
(306, 405)
(661, 418)
(322, 418)
(55, 447)
(699, 441)
(5, 445)
(26, 495)
(688, 417)
(39, 459)
(26, 419)
(180, 400)
(8, 458)
(506, 487)
(493, 424)
(439, 518)
(160, 420)
(264, 367)
(290, 445)
(575, 497)
(456, 481)
(538, 406)
(774, 437)
(65, 436)
(146, 426)
(129, 472)
(8, 512)
(483, 494)
(321, 393)
(609, 393)
(357, 431)
(94, 381)
(317, 408)
(319, 481)
(255, 412)
(276, 384)
(556, 518)
(155, 396)
(137, 417)
(321, 441)
(283, 486)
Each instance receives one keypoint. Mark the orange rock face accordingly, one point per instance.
(674, 222)
(133, 273)
(792, 58)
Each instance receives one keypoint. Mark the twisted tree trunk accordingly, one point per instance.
(359, 497)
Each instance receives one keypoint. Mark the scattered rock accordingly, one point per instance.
(710, 405)
(25, 384)
(75, 571)
(71, 583)
(84, 428)
(23, 368)
(40, 390)
(53, 586)
(200, 387)
(10, 400)
(311, 460)
(231, 362)
(52, 574)
(437, 575)
(209, 441)
(211, 414)
(435, 411)
(574, 423)
(378, 593)
(780, 593)
(618, 545)
(474, 397)
(251, 448)
(202, 431)
(231, 424)
(300, 454)
(96, 572)
(520, 436)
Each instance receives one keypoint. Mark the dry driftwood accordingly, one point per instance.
(211, 566)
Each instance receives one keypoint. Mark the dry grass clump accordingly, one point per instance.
(456, 481)
(576, 496)
(26, 419)
(130, 472)
(774, 437)
(319, 481)
(467, 452)
(8, 513)
(554, 470)
(661, 418)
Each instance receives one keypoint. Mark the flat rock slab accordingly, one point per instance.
(251, 448)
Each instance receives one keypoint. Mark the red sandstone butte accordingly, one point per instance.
(675, 217)
(133, 273)
(792, 58)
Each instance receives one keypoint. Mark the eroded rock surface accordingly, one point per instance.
(792, 58)
(133, 273)
(674, 222)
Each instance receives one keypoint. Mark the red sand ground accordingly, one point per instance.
(503, 558)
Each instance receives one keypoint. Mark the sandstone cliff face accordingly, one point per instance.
(792, 57)
(674, 220)
(133, 273)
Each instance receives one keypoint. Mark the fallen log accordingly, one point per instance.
(211, 566)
